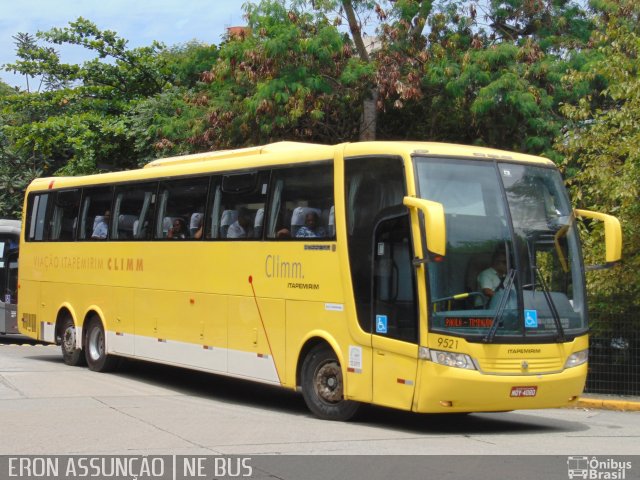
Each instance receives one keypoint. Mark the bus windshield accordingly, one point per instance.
(512, 267)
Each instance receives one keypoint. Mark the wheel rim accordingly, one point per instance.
(328, 382)
(96, 343)
(69, 339)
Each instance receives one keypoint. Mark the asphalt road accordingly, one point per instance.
(47, 407)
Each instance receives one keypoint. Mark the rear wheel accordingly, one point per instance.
(95, 349)
(323, 386)
(70, 354)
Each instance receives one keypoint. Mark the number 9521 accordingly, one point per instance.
(448, 343)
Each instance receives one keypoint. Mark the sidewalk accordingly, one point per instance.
(609, 402)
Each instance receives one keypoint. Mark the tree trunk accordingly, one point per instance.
(369, 119)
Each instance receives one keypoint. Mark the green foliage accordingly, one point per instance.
(603, 145)
(161, 125)
(185, 64)
(470, 89)
(280, 80)
(15, 172)
(74, 122)
(5, 89)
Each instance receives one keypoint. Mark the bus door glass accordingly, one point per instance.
(3, 268)
(8, 284)
(11, 291)
(380, 255)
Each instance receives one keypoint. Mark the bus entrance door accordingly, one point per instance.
(395, 326)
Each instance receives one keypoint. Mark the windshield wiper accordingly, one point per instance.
(508, 283)
(552, 305)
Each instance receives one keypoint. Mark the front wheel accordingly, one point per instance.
(70, 354)
(323, 386)
(95, 349)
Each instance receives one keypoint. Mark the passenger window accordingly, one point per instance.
(133, 208)
(302, 204)
(95, 214)
(181, 208)
(64, 217)
(37, 214)
(237, 206)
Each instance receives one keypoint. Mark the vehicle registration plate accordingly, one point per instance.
(524, 391)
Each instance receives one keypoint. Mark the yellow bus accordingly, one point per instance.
(353, 273)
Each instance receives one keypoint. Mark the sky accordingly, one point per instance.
(171, 22)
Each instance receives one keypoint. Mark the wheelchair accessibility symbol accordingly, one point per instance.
(531, 318)
(381, 324)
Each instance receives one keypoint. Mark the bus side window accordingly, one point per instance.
(133, 209)
(302, 202)
(64, 218)
(237, 206)
(181, 207)
(96, 207)
(36, 214)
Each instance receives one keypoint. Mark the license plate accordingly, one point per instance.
(519, 392)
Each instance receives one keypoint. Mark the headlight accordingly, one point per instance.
(451, 359)
(577, 358)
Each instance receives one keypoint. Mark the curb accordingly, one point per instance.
(606, 404)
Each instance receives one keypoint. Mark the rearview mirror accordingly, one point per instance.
(434, 222)
(612, 235)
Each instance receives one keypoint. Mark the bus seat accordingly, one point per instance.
(258, 223)
(125, 226)
(298, 217)
(195, 223)
(227, 218)
(140, 229)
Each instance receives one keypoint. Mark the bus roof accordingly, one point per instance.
(285, 153)
(10, 226)
(278, 147)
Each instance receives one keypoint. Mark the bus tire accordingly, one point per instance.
(323, 385)
(95, 348)
(70, 354)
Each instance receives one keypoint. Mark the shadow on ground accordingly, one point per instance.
(257, 395)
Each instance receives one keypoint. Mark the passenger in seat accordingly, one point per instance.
(197, 225)
(178, 231)
(311, 229)
(240, 228)
(101, 229)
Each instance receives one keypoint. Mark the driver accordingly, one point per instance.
(490, 279)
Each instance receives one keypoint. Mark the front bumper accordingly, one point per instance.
(444, 389)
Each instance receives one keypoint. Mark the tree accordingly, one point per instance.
(288, 76)
(603, 146)
(73, 122)
(15, 172)
(483, 72)
(164, 124)
(436, 72)
(378, 59)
